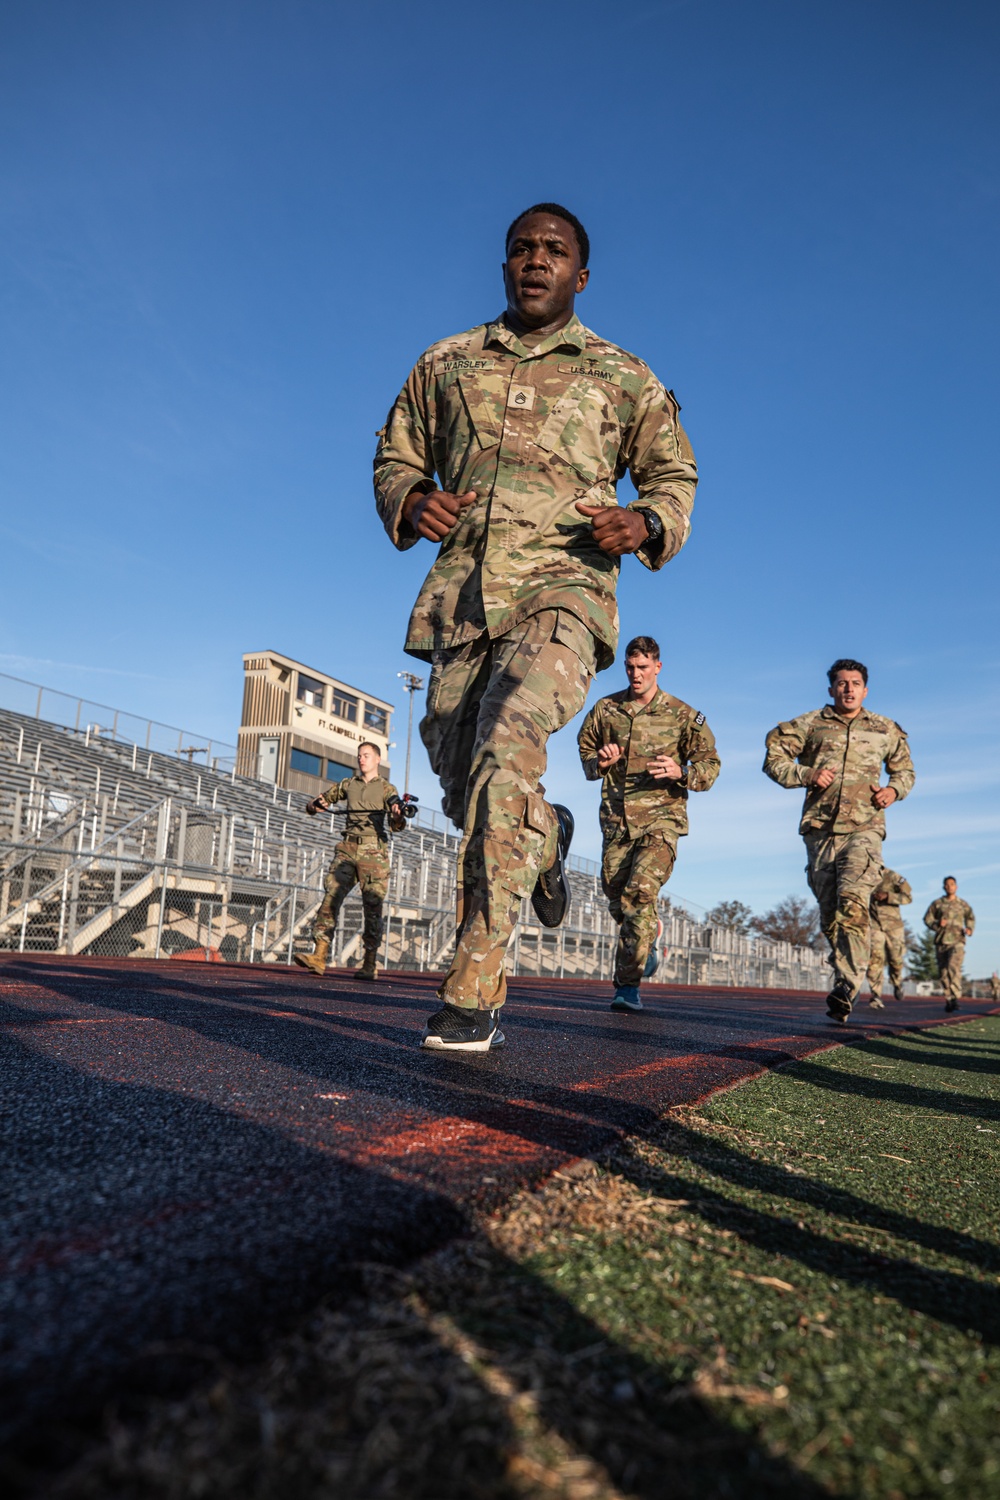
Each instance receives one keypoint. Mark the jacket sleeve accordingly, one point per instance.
(336, 792)
(931, 917)
(899, 764)
(589, 741)
(699, 757)
(784, 744)
(404, 458)
(970, 918)
(904, 893)
(658, 456)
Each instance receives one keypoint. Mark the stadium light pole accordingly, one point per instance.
(412, 683)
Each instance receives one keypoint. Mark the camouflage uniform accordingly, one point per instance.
(519, 609)
(995, 986)
(361, 858)
(949, 917)
(842, 828)
(642, 818)
(888, 935)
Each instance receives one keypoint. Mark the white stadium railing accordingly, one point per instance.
(110, 847)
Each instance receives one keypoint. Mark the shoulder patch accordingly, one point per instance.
(699, 720)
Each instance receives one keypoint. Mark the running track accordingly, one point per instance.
(193, 1152)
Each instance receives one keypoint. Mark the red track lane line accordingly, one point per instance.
(76, 1021)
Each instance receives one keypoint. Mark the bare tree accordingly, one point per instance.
(732, 914)
(794, 920)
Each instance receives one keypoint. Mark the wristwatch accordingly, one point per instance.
(654, 526)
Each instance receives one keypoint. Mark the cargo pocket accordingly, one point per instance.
(570, 631)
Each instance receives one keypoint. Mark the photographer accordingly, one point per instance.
(361, 858)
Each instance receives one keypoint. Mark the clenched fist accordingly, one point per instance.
(434, 513)
(616, 530)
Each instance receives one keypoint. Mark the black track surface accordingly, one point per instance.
(192, 1153)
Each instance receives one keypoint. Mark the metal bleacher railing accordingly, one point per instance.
(109, 846)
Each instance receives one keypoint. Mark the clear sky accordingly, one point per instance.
(228, 230)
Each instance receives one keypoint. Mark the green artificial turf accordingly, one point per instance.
(787, 1294)
(830, 1284)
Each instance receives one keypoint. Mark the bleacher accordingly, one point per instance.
(109, 848)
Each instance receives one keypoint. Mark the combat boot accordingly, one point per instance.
(876, 1003)
(316, 960)
(839, 1001)
(898, 993)
(369, 969)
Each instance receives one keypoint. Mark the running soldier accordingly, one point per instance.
(361, 858)
(995, 986)
(649, 750)
(951, 920)
(837, 754)
(527, 422)
(888, 935)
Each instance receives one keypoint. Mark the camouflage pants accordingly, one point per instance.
(888, 944)
(633, 872)
(363, 862)
(491, 706)
(843, 870)
(950, 962)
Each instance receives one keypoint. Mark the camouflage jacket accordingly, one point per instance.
(532, 431)
(948, 918)
(366, 805)
(857, 749)
(889, 895)
(632, 801)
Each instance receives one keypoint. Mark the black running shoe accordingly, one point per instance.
(839, 1001)
(455, 1028)
(898, 993)
(951, 1005)
(550, 898)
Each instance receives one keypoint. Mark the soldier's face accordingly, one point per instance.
(848, 692)
(950, 887)
(542, 273)
(367, 760)
(642, 672)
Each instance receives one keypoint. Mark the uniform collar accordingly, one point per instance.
(572, 335)
(829, 712)
(657, 705)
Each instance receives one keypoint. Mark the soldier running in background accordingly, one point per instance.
(649, 750)
(361, 858)
(527, 422)
(888, 935)
(995, 986)
(951, 920)
(837, 754)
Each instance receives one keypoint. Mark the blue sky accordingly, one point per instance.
(229, 229)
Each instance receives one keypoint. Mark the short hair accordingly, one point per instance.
(642, 645)
(845, 664)
(557, 211)
(369, 745)
(947, 878)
